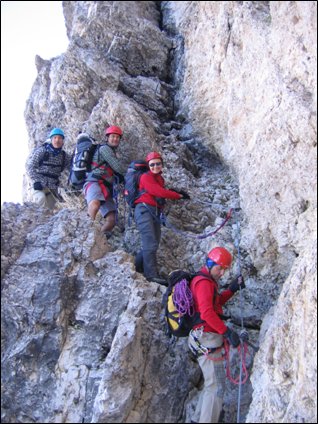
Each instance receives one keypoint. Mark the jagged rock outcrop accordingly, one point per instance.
(227, 92)
(82, 332)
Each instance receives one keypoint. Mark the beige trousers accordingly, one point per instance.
(44, 198)
(210, 401)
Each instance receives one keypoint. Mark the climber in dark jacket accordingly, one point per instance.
(44, 167)
(147, 215)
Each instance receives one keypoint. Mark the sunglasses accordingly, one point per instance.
(155, 163)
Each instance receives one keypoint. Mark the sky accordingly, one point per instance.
(28, 28)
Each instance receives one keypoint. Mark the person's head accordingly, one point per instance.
(218, 261)
(155, 162)
(57, 138)
(113, 135)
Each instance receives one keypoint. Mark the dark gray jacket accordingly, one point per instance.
(46, 167)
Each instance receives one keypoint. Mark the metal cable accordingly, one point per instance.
(237, 243)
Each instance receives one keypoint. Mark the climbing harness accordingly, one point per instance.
(202, 350)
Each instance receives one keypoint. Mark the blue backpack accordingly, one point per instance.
(132, 180)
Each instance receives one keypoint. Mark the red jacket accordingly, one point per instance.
(153, 185)
(208, 302)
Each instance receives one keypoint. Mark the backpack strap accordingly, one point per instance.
(138, 179)
(98, 158)
(63, 160)
(203, 277)
(102, 165)
(44, 158)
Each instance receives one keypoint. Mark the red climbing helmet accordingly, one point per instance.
(220, 256)
(113, 130)
(153, 155)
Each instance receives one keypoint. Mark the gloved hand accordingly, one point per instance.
(244, 336)
(232, 337)
(120, 177)
(184, 194)
(237, 283)
(37, 186)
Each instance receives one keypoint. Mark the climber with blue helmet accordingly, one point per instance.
(56, 132)
(44, 167)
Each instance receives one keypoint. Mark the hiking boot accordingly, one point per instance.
(157, 279)
(221, 416)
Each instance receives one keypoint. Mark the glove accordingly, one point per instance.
(244, 336)
(37, 186)
(237, 283)
(184, 194)
(232, 337)
(120, 177)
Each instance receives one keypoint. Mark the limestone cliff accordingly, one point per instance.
(227, 92)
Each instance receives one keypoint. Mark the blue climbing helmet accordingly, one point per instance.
(56, 132)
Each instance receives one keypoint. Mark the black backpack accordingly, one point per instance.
(82, 160)
(180, 315)
(132, 179)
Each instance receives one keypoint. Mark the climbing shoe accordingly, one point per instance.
(221, 416)
(157, 279)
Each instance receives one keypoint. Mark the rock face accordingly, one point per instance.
(250, 90)
(83, 335)
(227, 92)
(248, 84)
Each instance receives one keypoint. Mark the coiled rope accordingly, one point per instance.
(183, 299)
(243, 374)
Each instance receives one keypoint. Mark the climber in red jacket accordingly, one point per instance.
(211, 332)
(147, 215)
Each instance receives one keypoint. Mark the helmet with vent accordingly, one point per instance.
(113, 129)
(153, 155)
(56, 132)
(219, 256)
